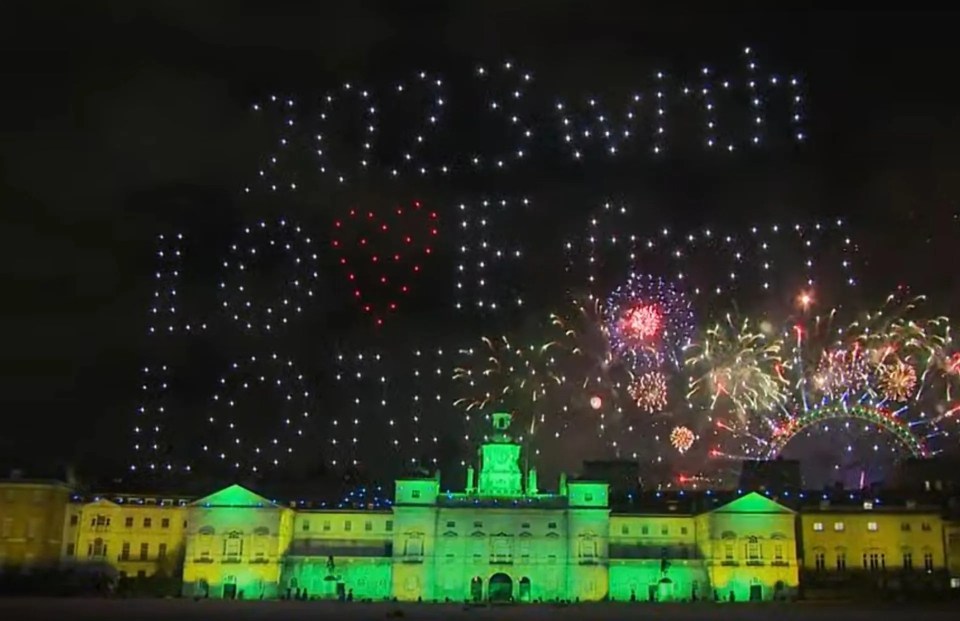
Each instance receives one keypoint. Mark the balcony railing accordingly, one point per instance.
(228, 560)
(729, 563)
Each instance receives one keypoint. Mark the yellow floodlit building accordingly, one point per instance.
(31, 522)
(879, 542)
(138, 536)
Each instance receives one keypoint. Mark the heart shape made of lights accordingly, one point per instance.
(382, 252)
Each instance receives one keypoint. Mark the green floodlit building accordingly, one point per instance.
(501, 539)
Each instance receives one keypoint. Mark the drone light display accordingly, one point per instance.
(681, 345)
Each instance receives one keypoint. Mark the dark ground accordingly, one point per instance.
(16, 609)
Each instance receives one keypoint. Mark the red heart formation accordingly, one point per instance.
(381, 253)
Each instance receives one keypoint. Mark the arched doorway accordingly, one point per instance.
(524, 594)
(665, 590)
(476, 589)
(501, 588)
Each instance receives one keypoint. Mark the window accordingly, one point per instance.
(872, 561)
(644, 530)
(778, 553)
(588, 497)
(478, 524)
(389, 525)
(872, 527)
(753, 550)
(925, 526)
(683, 530)
(125, 551)
(305, 525)
(161, 551)
(347, 525)
(525, 525)
(7, 530)
(907, 561)
(818, 526)
(413, 546)
(165, 523)
(588, 548)
(624, 530)
(71, 549)
(905, 527)
(728, 552)
(128, 522)
(552, 525)
(33, 527)
(144, 551)
(415, 493)
(147, 522)
(501, 551)
(838, 526)
(819, 561)
(233, 547)
(368, 526)
(74, 519)
(451, 524)
(841, 560)
(97, 549)
(928, 561)
(326, 525)
(664, 530)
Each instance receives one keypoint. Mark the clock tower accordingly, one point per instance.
(500, 473)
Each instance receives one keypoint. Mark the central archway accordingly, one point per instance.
(880, 417)
(501, 588)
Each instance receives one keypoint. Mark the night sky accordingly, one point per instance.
(122, 119)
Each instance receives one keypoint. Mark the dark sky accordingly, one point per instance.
(117, 118)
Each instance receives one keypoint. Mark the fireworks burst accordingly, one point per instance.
(649, 321)
(649, 391)
(897, 381)
(739, 365)
(505, 376)
(682, 439)
(841, 370)
(812, 371)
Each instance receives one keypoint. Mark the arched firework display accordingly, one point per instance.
(417, 297)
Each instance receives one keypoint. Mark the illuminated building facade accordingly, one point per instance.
(876, 542)
(501, 539)
(137, 536)
(31, 522)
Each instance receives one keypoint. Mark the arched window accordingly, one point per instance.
(819, 559)
(233, 546)
(753, 550)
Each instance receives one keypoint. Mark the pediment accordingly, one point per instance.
(235, 496)
(102, 502)
(754, 503)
